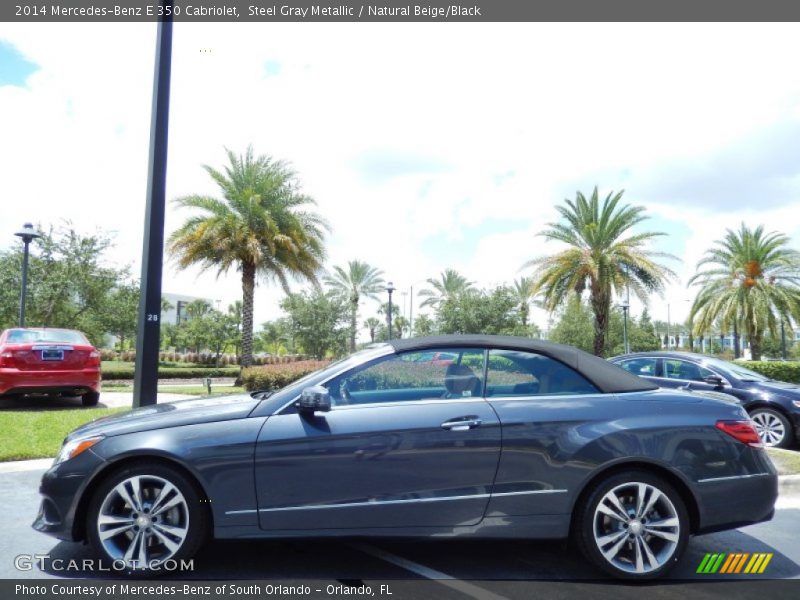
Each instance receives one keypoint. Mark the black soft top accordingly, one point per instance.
(606, 377)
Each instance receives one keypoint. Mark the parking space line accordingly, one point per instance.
(461, 586)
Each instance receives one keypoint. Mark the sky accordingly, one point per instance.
(426, 145)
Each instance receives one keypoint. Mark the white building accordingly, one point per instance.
(176, 314)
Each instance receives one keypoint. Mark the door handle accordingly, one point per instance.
(462, 424)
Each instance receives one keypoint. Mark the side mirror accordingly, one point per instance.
(313, 399)
(714, 380)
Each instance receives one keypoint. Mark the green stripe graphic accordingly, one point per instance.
(718, 563)
(701, 568)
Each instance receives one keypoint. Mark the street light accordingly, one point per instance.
(28, 234)
(625, 306)
(390, 288)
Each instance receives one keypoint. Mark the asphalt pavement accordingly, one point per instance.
(468, 567)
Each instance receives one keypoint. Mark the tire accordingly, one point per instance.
(90, 398)
(633, 548)
(773, 427)
(175, 530)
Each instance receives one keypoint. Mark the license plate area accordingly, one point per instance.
(49, 354)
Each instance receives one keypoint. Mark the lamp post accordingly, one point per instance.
(625, 306)
(390, 288)
(28, 234)
(783, 340)
(669, 329)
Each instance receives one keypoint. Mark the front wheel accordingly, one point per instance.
(147, 517)
(633, 525)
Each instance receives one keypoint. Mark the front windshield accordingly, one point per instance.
(736, 370)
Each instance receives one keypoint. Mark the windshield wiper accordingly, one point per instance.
(261, 394)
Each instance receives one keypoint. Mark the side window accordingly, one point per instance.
(681, 369)
(513, 373)
(451, 373)
(640, 366)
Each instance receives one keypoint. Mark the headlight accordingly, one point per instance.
(796, 403)
(75, 447)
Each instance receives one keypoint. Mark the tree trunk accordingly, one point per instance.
(353, 320)
(755, 346)
(248, 292)
(736, 351)
(600, 307)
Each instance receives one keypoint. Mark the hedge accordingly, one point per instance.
(780, 370)
(175, 372)
(273, 377)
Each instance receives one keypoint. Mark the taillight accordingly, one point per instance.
(742, 431)
(7, 359)
(94, 359)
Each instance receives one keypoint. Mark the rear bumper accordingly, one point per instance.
(730, 502)
(15, 381)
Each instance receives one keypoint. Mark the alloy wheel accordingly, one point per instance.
(143, 521)
(770, 428)
(636, 528)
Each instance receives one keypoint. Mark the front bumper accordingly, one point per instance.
(63, 489)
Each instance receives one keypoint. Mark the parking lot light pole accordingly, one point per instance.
(148, 331)
(28, 234)
(390, 288)
(625, 306)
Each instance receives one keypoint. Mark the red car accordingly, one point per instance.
(45, 361)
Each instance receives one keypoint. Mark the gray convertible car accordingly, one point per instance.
(507, 438)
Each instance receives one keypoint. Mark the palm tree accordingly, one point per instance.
(750, 281)
(372, 324)
(603, 256)
(360, 279)
(524, 292)
(449, 285)
(260, 227)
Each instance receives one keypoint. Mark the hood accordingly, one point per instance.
(782, 388)
(171, 414)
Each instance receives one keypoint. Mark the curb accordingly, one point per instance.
(788, 483)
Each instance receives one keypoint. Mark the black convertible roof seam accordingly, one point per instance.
(607, 377)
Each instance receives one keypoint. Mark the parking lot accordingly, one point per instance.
(477, 568)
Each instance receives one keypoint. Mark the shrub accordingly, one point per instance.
(108, 355)
(174, 372)
(273, 377)
(780, 370)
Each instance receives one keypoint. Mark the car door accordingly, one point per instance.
(679, 373)
(408, 442)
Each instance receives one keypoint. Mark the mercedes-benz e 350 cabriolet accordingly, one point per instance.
(508, 438)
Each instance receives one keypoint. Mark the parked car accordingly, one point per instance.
(44, 361)
(516, 438)
(773, 405)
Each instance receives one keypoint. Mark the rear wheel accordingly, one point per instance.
(633, 525)
(773, 428)
(146, 515)
(90, 398)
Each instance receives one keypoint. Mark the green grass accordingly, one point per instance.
(786, 461)
(189, 390)
(39, 433)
